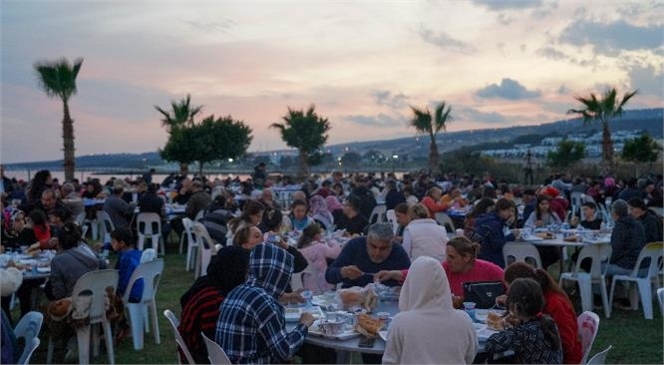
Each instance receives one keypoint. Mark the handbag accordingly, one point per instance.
(483, 293)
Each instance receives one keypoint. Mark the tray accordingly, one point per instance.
(345, 335)
(293, 313)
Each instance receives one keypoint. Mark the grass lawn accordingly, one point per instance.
(634, 339)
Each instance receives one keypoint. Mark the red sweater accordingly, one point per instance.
(434, 206)
(562, 312)
(482, 271)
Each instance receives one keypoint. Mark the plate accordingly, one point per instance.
(293, 313)
(383, 335)
(531, 238)
(323, 301)
(480, 314)
(43, 269)
(345, 335)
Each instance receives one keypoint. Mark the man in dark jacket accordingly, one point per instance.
(365, 197)
(627, 240)
(652, 225)
(492, 232)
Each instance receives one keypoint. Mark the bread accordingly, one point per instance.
(350, 298)
(359, 297)
(494, 321)
(60, 309)
(545, 235)
(368, 326)
(571, 239)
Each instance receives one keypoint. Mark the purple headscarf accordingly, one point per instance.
(333, 203)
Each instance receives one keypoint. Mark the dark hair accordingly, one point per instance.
(70, 236)
(228, 268)
(308, 235)
(61, 213)
(272, 218)
(464, 246)
(299, 202)
(251, 207)
(489, 192)
(540, 199)
(242, 235)
(504, 204)
(123, 235)
(38, 185)
(637, 202)
(480, 207)
(38, 217)
(401, 208)
(354, 203)
(542, 277)
(408, 189)
(525, 296)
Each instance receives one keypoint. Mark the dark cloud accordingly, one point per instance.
(444, 41)
(380, 120)
(647, 80)
(498, 5)
(475, 115)
(508, 89)
(551, 53)
(610, 39)
(394, 101)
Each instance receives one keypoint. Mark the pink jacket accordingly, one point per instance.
(317, 254)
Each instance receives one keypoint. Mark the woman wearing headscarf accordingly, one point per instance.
(334, 207)
(227, 269)
(318, 211)
(428, 330)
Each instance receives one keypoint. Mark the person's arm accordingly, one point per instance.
(123, 274)
(331, 251)
(273, 329)
(300, 262)
(500, 342)
(619, 240)
(433, 206)
(57, 279)
(407, 241)
(530, 222)
(333, 272)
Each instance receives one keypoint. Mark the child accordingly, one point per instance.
(317, 253)
(534, 339)
(129, 258)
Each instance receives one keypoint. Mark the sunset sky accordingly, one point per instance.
(498, 63)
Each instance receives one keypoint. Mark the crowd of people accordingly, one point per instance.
(248, 280)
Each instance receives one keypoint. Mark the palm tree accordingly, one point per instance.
(305, 131)
(426, 124)
(602, 111)
(58, 79)
(182, 114)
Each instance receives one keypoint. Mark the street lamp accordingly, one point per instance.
(394, 162)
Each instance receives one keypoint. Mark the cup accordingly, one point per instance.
(385, 318)
(307, 295)
(470, 309)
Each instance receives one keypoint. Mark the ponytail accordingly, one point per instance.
(550, 331)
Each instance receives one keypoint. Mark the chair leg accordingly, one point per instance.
(108, 336)
(146, 318)
(613, 290)
(634, 289)
(155, 323)
(49, 353)
(182, 241)
(136, 320)
(83, 337)
(95, 340)
(645, 290)
(605, 299)
(586, 291)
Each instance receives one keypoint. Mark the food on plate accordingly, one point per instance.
(545, 235)
(573, 238)
(495, 321)
(368, 325)
(358, 296)
(60, 309)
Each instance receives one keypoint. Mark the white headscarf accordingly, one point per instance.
(10, 280)
(426, 287)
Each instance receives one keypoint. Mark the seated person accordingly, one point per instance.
(403, 219)
(588, 214)
(492, 232)
(216, 218)
(252, 214)
(317, 253)
(652, 225)
(362, 257)
(424, 236)
(298, 219)
(319, 212)
(200, 304)
(432, 201)
(542, 216)
(128, 259)
(38, 222)
(454, 198)
(627, 239)
(352, 221)
(118, 210)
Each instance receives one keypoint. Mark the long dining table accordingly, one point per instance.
(584, 239)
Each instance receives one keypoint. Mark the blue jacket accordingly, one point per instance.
(126, 265)
(355, 253)
(490, 227)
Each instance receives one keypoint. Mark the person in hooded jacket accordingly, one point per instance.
(492, 232)
(251, 328)
(428, 330)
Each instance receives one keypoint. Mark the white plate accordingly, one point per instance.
(43, 269)
(531, 238)
(293, 313)
(345, 335)
(383, 335)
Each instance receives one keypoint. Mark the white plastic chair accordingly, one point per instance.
(444, 220)
(199, 215)
(660, 298)
(175, 323)
(215, 353)
(148, 225)
(378, 214)
(148, 254)
(588, 323)
(28, 328)
(106, 224)
(597, 253)
(92, 284)
(139, 313)
(206, 249)
(392, 219)
(600, 358)
(652, 252)
(192, 243)
(521, 252)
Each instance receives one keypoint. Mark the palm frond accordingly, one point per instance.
(421, 120)
(441, 117)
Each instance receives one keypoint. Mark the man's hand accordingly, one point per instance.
(351, 272)
(385, 275)
(307, 319)
(501, 300)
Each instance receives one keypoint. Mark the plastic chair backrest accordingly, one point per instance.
(106, 224)
(600, 358)
(521, 252)
(28, 328)
(392, 219)
(652, 252)
(596, 266)
(94, 283)
(577, 199)
(199, 215)
(178, 338)
(215, 353)
(660, 298)
(80, 218)
(150, 272)
(148, 224)
(378, 214)
(188, 228)
(148, 254)
(30, 348)
(588, 323)
(444, 220)
(206, 248)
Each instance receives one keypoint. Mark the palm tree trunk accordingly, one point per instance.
(433, 156)
(607, 145)
(200, 168)
(68, 141)
(304, 165)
